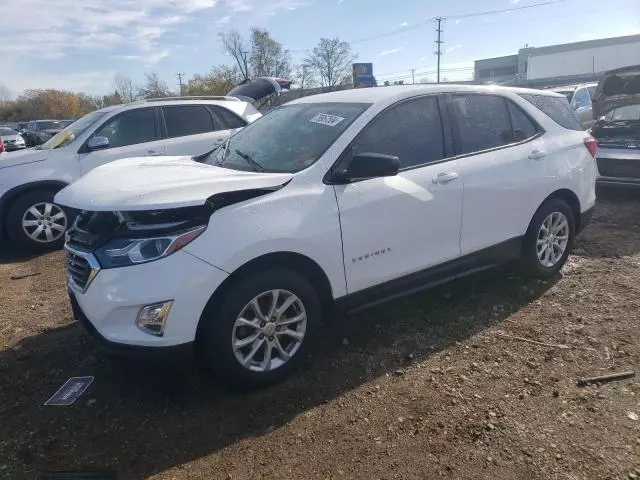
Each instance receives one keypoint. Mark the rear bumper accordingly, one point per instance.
(621, 182)
(181, 353)
(585, 218)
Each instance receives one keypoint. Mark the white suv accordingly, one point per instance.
(29, 179)
(327, 204)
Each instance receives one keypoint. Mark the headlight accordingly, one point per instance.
(122, 252)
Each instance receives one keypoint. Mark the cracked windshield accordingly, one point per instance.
(319, 239)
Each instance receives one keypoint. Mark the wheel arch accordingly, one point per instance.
(297, 262)
(10, 196)
(572, 200)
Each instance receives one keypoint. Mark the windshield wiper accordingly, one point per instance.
(256, 166)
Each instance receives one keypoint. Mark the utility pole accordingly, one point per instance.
(180, 75)
(413, 76)
(439, 43)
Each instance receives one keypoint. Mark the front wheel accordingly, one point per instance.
(36, 223)
(260, 332)
(549, 239)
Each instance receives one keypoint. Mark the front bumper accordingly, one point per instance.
(110, 305)
(183, 352)
(12, 147)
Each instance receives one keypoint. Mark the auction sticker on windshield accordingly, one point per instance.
(70, 391)
(326, 119)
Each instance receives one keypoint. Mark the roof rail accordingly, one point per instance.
(194, 97)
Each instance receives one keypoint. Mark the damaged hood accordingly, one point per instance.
(259, 88)
(617, 88)
(160, 182)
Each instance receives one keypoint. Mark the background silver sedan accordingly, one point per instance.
(12, 140)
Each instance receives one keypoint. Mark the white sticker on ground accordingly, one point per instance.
(326, 119)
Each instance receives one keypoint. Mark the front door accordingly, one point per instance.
(395, 226)
(133, 133)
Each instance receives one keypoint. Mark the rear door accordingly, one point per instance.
(192, 129)
(503, 161)
(395, 226)
(132, 133)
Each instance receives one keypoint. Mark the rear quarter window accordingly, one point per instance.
(556, 108)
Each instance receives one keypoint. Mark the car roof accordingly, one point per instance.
(386, 95)
(233, 104)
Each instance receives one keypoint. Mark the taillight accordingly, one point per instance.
(591, 145)
(1, 146)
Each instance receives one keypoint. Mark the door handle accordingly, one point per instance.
(443, 177)
(153, 153)
(537, 155)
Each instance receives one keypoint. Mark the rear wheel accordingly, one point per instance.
(36, 223)
(259, 334)
(549, 239)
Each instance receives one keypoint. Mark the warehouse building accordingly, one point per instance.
(560, 64)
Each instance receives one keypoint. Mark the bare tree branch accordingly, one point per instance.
(234, 45)
(331, 60)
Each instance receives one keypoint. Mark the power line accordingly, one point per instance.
(432, 19)
(504, 10)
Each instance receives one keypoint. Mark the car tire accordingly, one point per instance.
(549, 239)
(22, 222)
(222, 328)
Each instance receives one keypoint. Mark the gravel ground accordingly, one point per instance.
(434, 385)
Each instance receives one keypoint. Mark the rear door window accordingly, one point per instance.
(224, 119)
(556, 108)
(187, 120)
(411, 131)
(523, 127)
(483, 122)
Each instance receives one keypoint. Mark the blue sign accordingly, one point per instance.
(363, 75)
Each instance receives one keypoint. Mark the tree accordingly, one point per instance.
(331, 60)
(304, 77)
(234, 45)
(124, 88)
(5, 93)
(154, 87)
(219, 81)
(268, 58)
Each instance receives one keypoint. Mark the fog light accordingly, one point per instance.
(153, 318)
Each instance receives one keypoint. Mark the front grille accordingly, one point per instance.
(611, 167)
(78, 269)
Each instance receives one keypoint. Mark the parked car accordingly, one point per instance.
(327, 204)
(39, 131)
(580, 99)
(617, 105)
(29, 179)
(12, 139)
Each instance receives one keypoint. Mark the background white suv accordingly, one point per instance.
(29, 179)
(343, 199)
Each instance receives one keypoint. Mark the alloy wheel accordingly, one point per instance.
(553, 238)
(269, 330)
(44, 222)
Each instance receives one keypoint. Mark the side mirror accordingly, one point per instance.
(368, 165)
(98, 143)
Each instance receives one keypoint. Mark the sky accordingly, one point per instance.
(79, 45)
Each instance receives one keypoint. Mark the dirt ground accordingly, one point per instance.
(431, 386)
